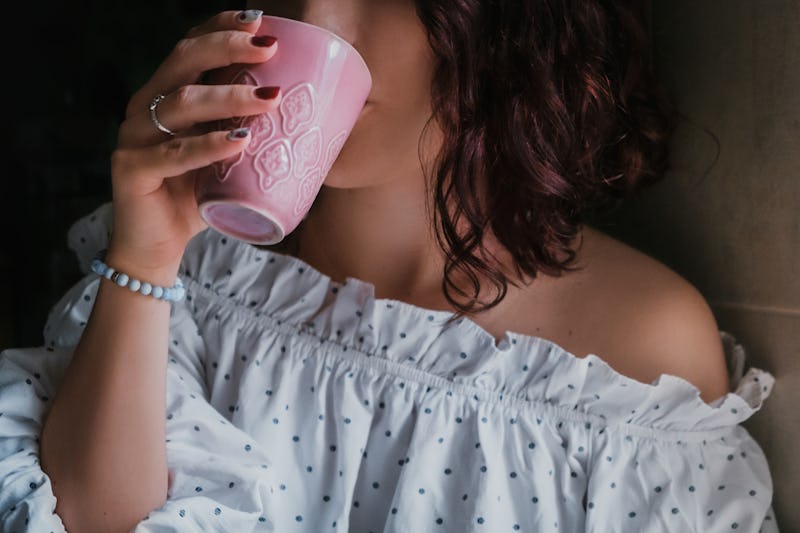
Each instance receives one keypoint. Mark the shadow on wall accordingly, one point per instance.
(731, 225)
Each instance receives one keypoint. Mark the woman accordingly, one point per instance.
(444, 343)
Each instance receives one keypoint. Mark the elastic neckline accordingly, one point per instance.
(298, 293)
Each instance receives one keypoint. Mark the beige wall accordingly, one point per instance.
(734, 69)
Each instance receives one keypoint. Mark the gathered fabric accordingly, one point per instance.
(299, 404)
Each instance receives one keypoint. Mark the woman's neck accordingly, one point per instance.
(379, 234)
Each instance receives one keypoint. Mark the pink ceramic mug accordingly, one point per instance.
(264, 193)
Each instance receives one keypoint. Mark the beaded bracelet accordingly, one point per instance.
(170, 294)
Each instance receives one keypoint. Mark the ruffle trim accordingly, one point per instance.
(263, 285)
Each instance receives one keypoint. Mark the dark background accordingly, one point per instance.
(71, 69)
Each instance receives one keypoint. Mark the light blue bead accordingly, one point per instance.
(172, 294)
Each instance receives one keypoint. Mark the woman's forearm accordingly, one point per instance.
(103, 441)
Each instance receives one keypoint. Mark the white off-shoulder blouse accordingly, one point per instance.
(299, 404)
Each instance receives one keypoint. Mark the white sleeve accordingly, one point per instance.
(28, 378)
(216, 470)
(694, 482)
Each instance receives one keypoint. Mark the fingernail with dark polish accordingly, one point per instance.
(238, 133)
(267, 93)
(250, 15)
(263, 40)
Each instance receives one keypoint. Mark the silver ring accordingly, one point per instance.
(154, 117)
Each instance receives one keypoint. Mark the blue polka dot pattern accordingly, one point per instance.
(297, 403)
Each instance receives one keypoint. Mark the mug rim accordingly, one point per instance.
(339, 38)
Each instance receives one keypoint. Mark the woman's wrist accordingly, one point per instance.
(164, 292)
(163, 275)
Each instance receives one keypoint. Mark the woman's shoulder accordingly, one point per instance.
(639, 315)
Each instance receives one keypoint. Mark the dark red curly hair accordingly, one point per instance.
(551, 112)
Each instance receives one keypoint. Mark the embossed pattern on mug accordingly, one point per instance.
(273, 164)
(307, 191)
(334, 147)
(307, 150)
(297, 108)
(263, 128)
(245, 78)
(293, 146)
(223, 168)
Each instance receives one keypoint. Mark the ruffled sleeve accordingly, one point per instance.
(644, 484)
(29, 379)
(705, 474)
(214, 481)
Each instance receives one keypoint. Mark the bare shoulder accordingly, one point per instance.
(644, 318)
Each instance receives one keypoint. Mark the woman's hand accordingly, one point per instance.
(155, 213)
